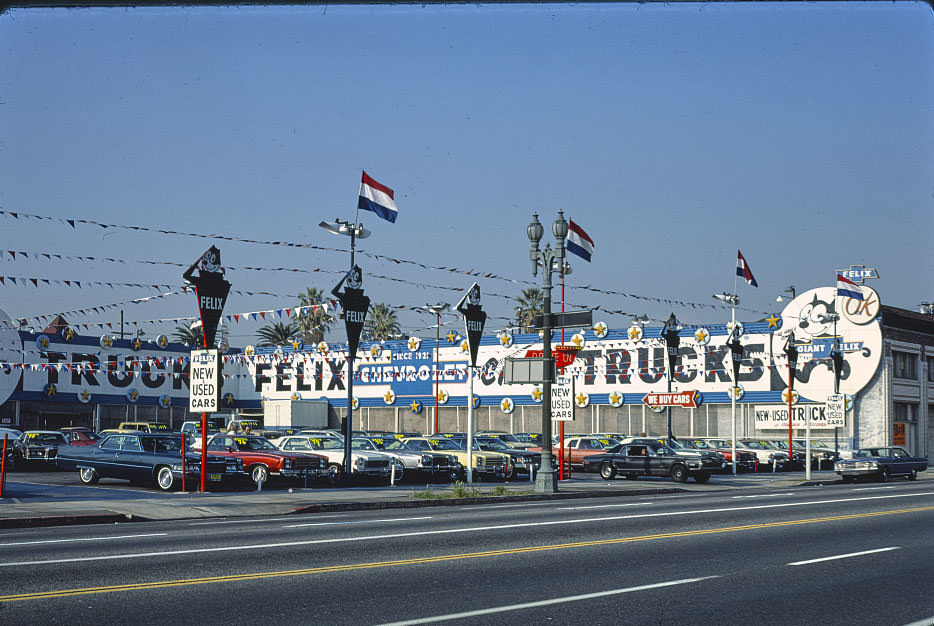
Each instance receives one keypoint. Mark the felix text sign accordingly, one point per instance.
(204, 389)
(562, 399)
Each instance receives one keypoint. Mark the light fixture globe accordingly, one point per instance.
(560, 227)
(535, 230)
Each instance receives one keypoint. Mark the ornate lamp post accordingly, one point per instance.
(792, 353)
(736, 354)
(672, 340)
(436, 309)
(836, 357)
(545, 479)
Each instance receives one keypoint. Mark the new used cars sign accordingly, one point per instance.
(204, 389)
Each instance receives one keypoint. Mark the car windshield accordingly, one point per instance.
(44, 438)
(325, 443)
(362, 444)
(161, 444)
(507, 437)
(254, 443)
(755, 445)
(491, 443)
(443, 444)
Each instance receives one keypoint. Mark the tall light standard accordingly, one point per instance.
(545, 479)
(790, 289)
(732, 299)
(672, 340)
(791, 351)
(436, 310)
(836, 357)
(354, 275)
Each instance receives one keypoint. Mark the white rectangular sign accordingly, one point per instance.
(562, 399)
(204, 387)
(835, 410)
(777, 416)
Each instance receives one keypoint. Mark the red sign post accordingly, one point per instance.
(685, 399)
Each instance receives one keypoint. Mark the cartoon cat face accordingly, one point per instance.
(816, 317)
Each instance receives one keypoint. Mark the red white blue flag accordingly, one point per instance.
(742, 269)
(848, 289)
(378, 198)
(578, 242)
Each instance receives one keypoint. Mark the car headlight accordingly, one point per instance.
(360, 462)
(426, 459)
(177, 468)
(287, 463)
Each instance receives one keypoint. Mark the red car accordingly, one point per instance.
(80, 435)
(262, 460)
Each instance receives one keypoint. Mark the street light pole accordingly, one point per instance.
(545, 479)
(672, 340)
(836, 357)
(736, 353)
(436, 309)
(792, 353)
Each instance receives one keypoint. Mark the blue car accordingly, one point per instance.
(147, 458)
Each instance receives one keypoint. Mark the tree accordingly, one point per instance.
(531, 303)
(278, 333)
(189, 335)
(315, 321)
(381, 323)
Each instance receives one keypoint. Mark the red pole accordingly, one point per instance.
(3, 465)
(561, 435)
(204, 426)
(791, 382)
(437, 341)
(184, 444)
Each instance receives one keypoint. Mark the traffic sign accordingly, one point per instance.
(204, 388)
(685, 399)
(569, 319)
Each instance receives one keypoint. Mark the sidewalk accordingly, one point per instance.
(21, 509)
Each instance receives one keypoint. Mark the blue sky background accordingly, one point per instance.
(800, 133)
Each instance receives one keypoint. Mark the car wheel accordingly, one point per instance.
(334, 474)
(258, 474)
(509, 471)
(607, 471)
(913, 475)
(702, 477)
(679, 473)
(396, 472)
(884, 475)
(88, 476)
(165, 480)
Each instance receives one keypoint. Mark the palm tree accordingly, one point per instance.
(315, 321)
(531, 303)
(189, 335)
(278, 333)
(381, 323)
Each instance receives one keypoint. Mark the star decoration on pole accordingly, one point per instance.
(415, 407)
(443, 396)
(537, 394)
(451, 337)
(773, 321)
(635, 333)
(616, 399)
(582, 399)
(507, 405)
(389, 397)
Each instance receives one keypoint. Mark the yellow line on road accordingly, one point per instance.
(62, 593)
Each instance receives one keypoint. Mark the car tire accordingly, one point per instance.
(607, 471)
(334, 474)
(702, 477)
(913, 475)
(88, 476)
(165, 479)
(679, 473)
(884, 475)
(259, 473)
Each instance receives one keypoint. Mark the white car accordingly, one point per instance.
(364, 463)
(422, 464)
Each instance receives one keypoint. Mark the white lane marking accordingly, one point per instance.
(531, 605)
(364, 521)
(449, 531)
(842, 556)
(39, 542)
(601, 506)
(250, 521)
(876, 488)
(928, 621)
(764, 495)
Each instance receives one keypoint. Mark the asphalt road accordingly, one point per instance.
(840, 554)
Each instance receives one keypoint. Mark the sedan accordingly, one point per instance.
(146, 458)
(880, 463)
(264, 460)
(650, 459)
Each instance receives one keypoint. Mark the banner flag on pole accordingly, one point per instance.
(377, 198)
(578, 242)
(848, 289)
(742, 270)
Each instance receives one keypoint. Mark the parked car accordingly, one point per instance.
(262, 460)
(520, 461)
(767, 457)
(716, 460)
(365, 464)
(821, 455)
(12, 437)
(746, 460)
(486, 465)
(80, 435)
(38, 448)
(193, 429)
(577, 448)
(145, 427)
(506, 437)
(880, 463)
(534, 438)
(147, 458)
(797, 456)
(419, 464)
(650, 459)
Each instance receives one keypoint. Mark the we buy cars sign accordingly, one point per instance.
(686, 399)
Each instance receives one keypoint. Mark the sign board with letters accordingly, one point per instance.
(768, 417)
(562, 399)
(835, 410)
(204, 389)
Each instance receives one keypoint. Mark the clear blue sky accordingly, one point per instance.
(800, 133)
